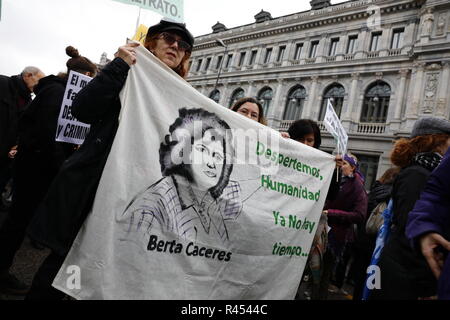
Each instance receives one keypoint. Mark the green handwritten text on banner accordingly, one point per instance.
(173, 9)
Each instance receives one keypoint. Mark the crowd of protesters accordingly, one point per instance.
(414, 263)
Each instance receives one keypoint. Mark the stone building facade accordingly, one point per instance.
(383, 63)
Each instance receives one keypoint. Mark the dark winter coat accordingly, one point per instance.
(37, 126)
(71, 195)
(39, 156)
(347, 209)
(14, 96)
(405, 273)
(379, 193)
(431, 213)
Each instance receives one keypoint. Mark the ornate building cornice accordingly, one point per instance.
(345, 12)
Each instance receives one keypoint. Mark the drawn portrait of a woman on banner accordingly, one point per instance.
(195, 198)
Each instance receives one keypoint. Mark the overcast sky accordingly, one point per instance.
(36, 32)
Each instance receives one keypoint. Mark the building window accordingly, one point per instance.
(375, 43)
(376, 103)
(313, 50)
(336, 93)
(208, 62)
(397, 38)
(281, 53)
(333, 47)
(298, 51)
(237, 94)
(265, 98)
(199, 65)
(351, 47)
(241, 59)
(253, 57)
(219, 62)
(267, 56)
(368, 165)
(215, 95)
(229, 59)
(294, 104)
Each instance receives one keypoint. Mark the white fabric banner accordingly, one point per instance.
(334, 126)
(196, 201)
(69, 129)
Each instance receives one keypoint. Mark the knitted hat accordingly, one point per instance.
(430, 125)
(78, 63)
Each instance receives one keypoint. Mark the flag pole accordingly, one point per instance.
(138, 19)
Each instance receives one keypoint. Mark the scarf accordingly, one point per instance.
(427, 160)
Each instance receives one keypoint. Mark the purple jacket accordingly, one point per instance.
(348, 208)
(431, 213)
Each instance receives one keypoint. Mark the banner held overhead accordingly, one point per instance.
(173, 9)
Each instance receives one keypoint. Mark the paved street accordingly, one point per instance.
(26, 263)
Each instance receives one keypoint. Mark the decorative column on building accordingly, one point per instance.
(431, 86)
(251, 91)
(311, 97)
(274, 116)
(401, 94)
(385, 37)
(223, 94)
(348, 117)
(362, 43)
(412, 111)
(259, 54)
(444, 92)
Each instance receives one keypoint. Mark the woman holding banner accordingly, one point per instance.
(71, 195)
(307, 131)
(405, 274)
(347, 209)
(37, 162)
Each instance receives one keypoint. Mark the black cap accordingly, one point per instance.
(165, 25)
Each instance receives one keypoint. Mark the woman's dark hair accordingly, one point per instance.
(241, 101)
(389, 176)
(79, 63)
(191, 125)
(300, 128)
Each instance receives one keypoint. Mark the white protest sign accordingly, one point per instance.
(69, 129)
(196, 201)
(334, 126)
(173, 9)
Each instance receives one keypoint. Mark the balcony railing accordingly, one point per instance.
(330, 59)
(285, 124)
(394, 52)
(373, 54)
(372, 128)
(348, 57)
(364, 128)
(310, 60)
(321, 126)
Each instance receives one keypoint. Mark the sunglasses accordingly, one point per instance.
(170, 40)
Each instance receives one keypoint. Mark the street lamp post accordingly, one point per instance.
(222, 44)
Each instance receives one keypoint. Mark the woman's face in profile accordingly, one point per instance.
(347, 169)
(207, 159)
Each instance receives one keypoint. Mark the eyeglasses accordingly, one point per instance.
(170, 40)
